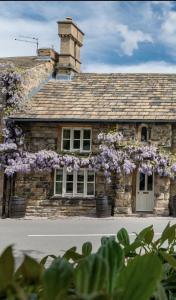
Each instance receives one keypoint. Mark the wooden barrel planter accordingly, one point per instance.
(103, 209)
(17, 207)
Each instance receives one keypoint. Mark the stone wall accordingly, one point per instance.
(35, 77)
(38, 188)
(162, 195)
(161, 135)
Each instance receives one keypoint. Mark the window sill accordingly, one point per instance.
(76, 151)
(59, 197)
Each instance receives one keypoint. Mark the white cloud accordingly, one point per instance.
(131, 38)
(167, 36)
(148, 67)
(102, 22)
(169, 27)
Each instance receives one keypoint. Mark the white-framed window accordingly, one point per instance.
(74, 184)
(76, 139)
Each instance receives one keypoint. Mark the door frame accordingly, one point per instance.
(137, 190)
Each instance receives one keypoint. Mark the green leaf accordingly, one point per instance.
(44, 259)
(146, 235)
(130, 251)
(160, 293)
(6, 268)
(169, 234)
(30, 270)
(169, 258)
(91, 276)
(72, 254)
(139, 279)
(57, 279)
(112, 252)
(86, 248)
(123, 237)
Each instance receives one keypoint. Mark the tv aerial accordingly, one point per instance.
(28, 39)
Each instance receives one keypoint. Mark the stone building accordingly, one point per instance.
(67, 111)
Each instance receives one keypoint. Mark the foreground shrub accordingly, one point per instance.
(120, 270)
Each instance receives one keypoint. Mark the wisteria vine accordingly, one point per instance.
(114, 156)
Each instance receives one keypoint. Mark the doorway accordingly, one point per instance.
(145, 192)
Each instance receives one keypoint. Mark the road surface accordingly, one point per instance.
(39, 237)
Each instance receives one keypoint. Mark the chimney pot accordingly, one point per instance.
(69, 18)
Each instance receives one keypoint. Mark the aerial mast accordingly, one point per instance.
(28, 39)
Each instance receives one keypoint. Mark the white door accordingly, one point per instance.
(144, 192)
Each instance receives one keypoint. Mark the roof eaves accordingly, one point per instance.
(71, 120)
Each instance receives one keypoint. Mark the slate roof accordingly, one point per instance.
(106, 97)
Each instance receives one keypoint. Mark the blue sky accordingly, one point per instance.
(120, 36)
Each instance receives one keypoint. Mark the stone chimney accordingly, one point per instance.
(47, 54)
(71, 42)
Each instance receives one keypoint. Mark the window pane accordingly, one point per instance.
(86, 134)
(59, 188)
(90, 189)
(76, 144)
(150, 182)
(77, 134)
(80, 177)
(66, 134)
(69, 187)
(80, 188)
(66, 144)
(90, 176)
(59, 175)
(142, 182)
(86, 145)
(144, 134)
(69, 177)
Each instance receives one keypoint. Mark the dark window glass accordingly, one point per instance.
(66, 144)
(76, 144)
(66, 134)
(69, 177)
(59, 188)
(80, 182)
(90, 189)
(144, 132)
(86, 134)
(69, 187)
(150, 182)
(142, 182)
(77, 134)
(80, 177)
(86, 145)
(90, 176)
(80, 187)
(59, 175)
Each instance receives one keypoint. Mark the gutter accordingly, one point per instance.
(63, 120)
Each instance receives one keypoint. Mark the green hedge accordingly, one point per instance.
(141, 270)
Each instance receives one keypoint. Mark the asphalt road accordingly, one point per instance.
(39, 237)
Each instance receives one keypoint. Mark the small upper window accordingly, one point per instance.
(76, 139)
(144, 134)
